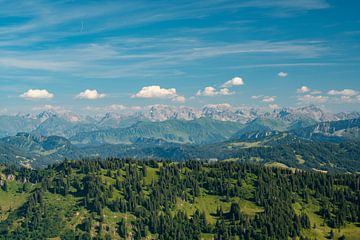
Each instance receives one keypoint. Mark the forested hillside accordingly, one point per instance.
(129, 199)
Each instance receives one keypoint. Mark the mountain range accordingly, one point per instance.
(68, 124)
(217, 131)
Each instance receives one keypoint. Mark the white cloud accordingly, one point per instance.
(211, 91)
(52, 108)
(47, 65)
(274, 106)
(269, 99)
(90, 94)
(345, 92)
(358, 98)
(282, 74)
(257, 96)
(263, 98)
(3, 110)
(37, 94)
(208, 92)
(156, 92)
(346, 99)
(312, 99)
(303, 89)
(113, 108)
(225, 91)
(179, 99)
(236, 81)
(219, 105)
(116, 107)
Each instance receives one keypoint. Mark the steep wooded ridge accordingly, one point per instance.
(133, 199)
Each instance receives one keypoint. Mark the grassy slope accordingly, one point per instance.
(321, 232)
(11, 200)
(210, 203)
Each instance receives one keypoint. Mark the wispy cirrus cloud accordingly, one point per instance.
(46, 15)
(300, 5)
(112, 108)
(23, 63)
(112, 58)
(312, 99)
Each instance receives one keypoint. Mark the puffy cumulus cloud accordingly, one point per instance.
(358, 98)
(208, 91)
(179, 99)
(90, 94)
(283, 74)
(225, 91)
(268, 99)
(211, 91)
(313, 99)
(158, 92)
(303, 89)
(155, 92)
(236, 81)
(37, 94)
(345, 92)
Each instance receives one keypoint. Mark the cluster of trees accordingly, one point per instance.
(124, 186)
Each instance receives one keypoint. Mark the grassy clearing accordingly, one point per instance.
(320, 230)
(12, 199)
(111, 220)
(65, 206)
(300, 159)
(245, 144)
(277, 165)
(151, 175)
(207, 236)
(210, 203)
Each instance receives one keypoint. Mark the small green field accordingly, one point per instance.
(210, 203)
(319, 229)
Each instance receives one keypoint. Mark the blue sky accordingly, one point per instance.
(86, 55)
